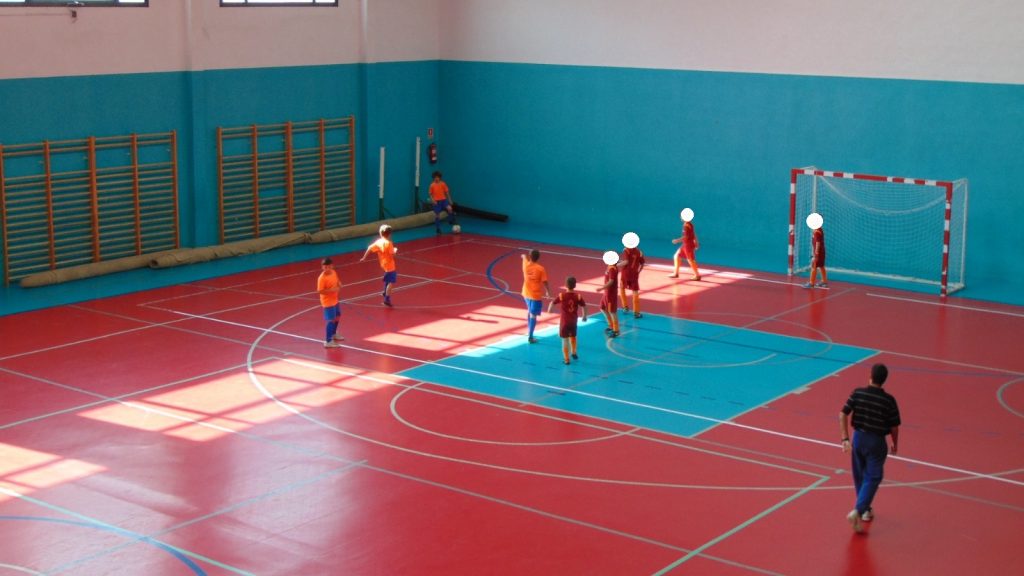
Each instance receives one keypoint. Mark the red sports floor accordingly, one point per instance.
(203, 429)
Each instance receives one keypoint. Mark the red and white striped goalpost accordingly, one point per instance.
(947, 187)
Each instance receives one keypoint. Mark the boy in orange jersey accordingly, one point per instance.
(610, 300)
(328, 285)
(385, 250)
(441, 199)
(571, 304)
(632, 262)
(689, 246)
(535, 287)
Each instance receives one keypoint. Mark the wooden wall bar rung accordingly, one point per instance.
(83, 201)
(273, 178)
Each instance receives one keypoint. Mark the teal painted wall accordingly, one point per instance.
(392, 103)
(612, 149)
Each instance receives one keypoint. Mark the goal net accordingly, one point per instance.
(901, 229)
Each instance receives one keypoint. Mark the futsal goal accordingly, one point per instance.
(902, 229)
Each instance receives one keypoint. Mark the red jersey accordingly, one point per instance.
(612, 275)
(570, 304)
(634, 261)
(818, 242)
(689, 236)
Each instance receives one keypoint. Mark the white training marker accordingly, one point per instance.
(611, 258)
(686, 215)
(814, 221)
(630, 240)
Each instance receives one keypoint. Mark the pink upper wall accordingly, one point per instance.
(176, 35)
(957, 40)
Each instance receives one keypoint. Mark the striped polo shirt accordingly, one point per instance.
(874, 410)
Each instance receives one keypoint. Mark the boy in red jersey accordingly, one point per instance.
(632, 263)
(689, 246)
(328, 285)
(441, 199)
(571, 304)
(385, 250)
(535, 287)
(815, 221)
(610, 299)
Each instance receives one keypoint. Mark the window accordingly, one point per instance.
(74, 3)
(278, 2)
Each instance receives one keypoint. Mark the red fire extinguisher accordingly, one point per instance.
(432, 153)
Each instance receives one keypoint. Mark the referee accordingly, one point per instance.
(875, 416)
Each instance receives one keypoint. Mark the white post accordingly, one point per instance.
(380, 186)
(416, 182)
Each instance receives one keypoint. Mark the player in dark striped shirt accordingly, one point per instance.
(875, 416)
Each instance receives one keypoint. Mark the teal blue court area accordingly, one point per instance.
(677, 376)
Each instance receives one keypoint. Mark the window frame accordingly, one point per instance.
(278, 4)
(74, 4)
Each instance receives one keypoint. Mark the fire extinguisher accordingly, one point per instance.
(432, 153)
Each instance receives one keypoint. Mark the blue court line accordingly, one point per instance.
(120, 532)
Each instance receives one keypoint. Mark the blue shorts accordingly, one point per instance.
(440, 206)
(533, 306)
(391, 277)
(332, 313)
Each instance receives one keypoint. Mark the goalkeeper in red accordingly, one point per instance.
(571, 304)
(632, 262)
(815, 222)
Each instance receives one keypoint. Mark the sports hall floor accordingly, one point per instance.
(201, 428)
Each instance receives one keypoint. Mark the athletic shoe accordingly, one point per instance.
(338, 337)
(807, 285)
(615, 334)
(575, 357)
(638, 315)
(624, 309)
(868, 515)
(332, 344)
(673, 275)
(566, 362)
(695, 278)
(532, 340)
(387, 303)
(854, 519)
(607, 330)
(822, 284)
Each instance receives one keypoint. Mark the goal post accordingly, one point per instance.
(886, 227)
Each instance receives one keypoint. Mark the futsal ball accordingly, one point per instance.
(686, 215)
(814, 221)
(610, 258)
(456, 229)
(630, 240)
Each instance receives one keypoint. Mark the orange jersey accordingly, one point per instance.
(534, 277)
(438, 191)
(385, 250)
(328, 279)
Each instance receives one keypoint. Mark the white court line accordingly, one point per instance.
(700, 549)
(703, 271)
(947, 305)
(613, 400)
